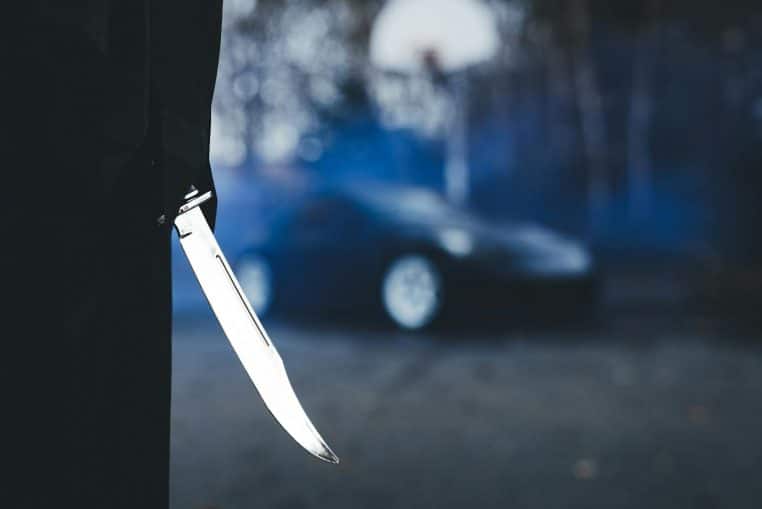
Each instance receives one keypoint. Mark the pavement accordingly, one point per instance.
(651, 408)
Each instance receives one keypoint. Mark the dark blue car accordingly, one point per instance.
(407, 255)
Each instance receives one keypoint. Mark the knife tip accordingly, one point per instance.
(328, 456)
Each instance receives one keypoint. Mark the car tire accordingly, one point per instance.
(411, 291)
(255, 277)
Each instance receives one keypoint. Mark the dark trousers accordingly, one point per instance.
(87, 361)
(85, 349)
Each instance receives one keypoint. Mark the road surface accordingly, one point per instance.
(630, 416)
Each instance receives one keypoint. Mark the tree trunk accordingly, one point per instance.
(591, 112)
(639, 162)
(560, 106)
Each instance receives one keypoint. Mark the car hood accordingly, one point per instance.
(512, 247)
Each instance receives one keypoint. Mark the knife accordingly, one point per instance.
(242, 327)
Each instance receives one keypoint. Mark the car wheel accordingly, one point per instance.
(255, 278)
(412, 291)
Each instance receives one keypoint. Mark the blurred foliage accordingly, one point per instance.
(625, 120)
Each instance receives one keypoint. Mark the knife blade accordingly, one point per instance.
(243, 328)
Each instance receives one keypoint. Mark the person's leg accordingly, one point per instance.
(85, 348)
(51, 226)
(135, 343)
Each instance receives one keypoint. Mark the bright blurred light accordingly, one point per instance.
(256, 281)
(411, 102)
(324, 91)
(281, 63)
(278, 142)
(418, 40)
(240, 7)
(456, 241)
(456, 33)
(226, 148)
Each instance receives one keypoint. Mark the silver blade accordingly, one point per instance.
(245, 332)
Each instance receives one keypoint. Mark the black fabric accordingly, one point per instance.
(185, 41)
(86, 349)
(108, 50)
(88, 365)
(128, 56)
(95, 390)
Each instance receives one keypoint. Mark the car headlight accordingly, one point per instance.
(456, 241)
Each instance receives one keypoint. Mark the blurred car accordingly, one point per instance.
(407, 255)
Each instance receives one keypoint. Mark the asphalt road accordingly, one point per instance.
(625, 416)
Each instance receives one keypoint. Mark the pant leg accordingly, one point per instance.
(85, 351)
(50, 229)
(88, 366)
(135, 356)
